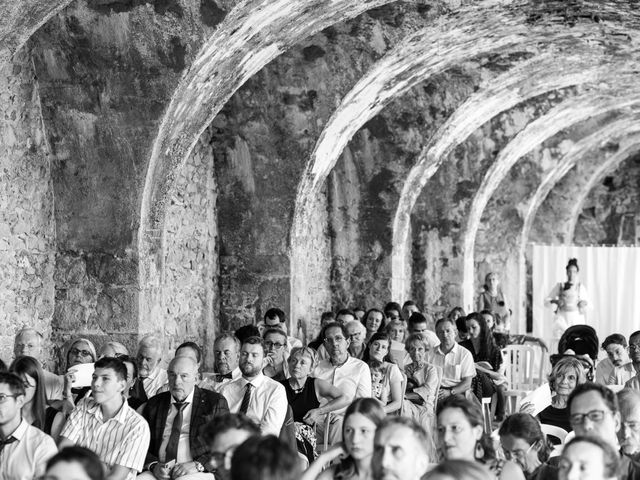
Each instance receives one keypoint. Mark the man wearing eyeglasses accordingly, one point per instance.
(24, 449)
(28, 343)
(634, 354)
(594, 412)
(275, 318)
(222, 435)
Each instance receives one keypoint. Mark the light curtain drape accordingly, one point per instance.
(611, 276)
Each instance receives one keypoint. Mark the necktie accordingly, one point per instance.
(244, 406)
(174, 438)
(222, 376)
(9, 440)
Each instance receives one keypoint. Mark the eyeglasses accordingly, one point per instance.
(517, 454)
(4, 396)
(595, 416)
(80, 353)
(275, 345)
(634, 347)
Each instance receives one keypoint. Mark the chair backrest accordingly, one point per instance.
(554, 431)
(403, 389)
(522, 369)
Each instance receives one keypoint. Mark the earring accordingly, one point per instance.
(479, 451)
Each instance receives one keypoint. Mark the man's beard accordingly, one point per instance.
(249, 370)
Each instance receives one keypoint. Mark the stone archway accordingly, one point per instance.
(566, 114)
(531, 78)
(253, 33)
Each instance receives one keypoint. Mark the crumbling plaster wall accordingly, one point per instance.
(107, 71)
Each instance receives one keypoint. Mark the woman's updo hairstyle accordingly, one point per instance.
(573, 262)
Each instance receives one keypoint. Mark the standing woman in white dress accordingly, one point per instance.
(570, 300)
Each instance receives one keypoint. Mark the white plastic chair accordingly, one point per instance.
(523, 371)
(554, 431)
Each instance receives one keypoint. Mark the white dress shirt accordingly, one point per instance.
(184, 449)
(353, 378)
(153, 383)
(608, 374)
(268, 405)
(210, 382)
(456, 364)
(26, 458)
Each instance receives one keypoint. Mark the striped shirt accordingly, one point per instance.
(121, 440)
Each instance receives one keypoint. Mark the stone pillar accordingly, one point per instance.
(27, 226)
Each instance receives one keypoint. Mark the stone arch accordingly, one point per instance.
(252, 34)
(397, 72)
(566, 114)
(533, 77)
(608, 166)
(401, 69)
(620, 129)
(22, 19)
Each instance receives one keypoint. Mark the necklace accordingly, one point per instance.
(296, 390)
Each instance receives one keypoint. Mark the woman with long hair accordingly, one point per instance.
(488, 360)
(358, 430)
(374, 322)
(35, 402)
(386, 378)
(461, 437)
(524, 442)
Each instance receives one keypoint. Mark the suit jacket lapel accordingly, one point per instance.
(198, 399)
(163, 413)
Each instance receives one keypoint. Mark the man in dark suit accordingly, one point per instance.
(175, 418)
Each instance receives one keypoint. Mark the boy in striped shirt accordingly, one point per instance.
(107, 425)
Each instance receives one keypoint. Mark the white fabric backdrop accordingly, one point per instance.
(611, 276)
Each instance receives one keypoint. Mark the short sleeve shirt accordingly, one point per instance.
(456, 364)
(122, 440)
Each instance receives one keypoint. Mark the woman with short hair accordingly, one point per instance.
(565, 376)
(303, 395)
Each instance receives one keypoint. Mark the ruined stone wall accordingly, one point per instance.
(27, 228)
(611, 212)
(107, 71)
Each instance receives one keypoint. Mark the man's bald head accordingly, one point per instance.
(183, 376)
(28, 343)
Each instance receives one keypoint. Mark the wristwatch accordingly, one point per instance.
(199, 466)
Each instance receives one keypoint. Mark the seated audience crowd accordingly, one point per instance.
(380, 393)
